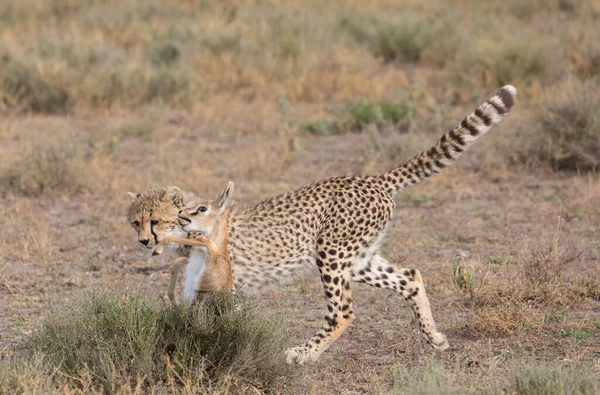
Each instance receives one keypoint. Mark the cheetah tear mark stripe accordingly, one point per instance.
(453, 143)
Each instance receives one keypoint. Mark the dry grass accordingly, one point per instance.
(502, 298)
(564, 132)
(136, 52)
(436, 378)
(553, 380)
(48, 168)
(102, 343)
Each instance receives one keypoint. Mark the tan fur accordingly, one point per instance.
(153, 214)
(218, 275)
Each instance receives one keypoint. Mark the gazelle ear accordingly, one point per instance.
(225, 197)
(132, 196)
(174, 195)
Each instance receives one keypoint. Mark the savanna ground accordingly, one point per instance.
(104, 97)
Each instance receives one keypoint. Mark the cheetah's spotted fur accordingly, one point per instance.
(337, 225)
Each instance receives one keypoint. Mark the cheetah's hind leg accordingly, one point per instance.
(379, 273)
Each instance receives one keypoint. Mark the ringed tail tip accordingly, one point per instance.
(507, 94)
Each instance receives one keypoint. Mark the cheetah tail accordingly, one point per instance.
(452, 144)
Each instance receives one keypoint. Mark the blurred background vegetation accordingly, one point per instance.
(61, 56)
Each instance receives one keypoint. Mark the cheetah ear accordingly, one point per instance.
(132, 196)
(225, 197)
(174, 195)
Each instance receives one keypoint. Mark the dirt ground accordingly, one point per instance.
(484, 210)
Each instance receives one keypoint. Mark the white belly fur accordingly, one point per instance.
(193, 272)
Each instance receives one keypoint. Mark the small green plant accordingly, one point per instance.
(463, 276)
(497, 258)
(365, 112)
(321, 127)
(577, 334)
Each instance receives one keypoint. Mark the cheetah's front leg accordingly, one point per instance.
(335, 275)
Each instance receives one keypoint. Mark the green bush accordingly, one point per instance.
(113, 342)
(367, 112)
(48, 169)
(394, 40)
(564, 133)
(321, 127)
(24, 89)
(571, 124)
(357, 115)
(502, 52)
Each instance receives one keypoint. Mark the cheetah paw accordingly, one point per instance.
(439, 341)
(296, 355)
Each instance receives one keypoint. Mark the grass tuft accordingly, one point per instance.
(366, 112)
(569, 127)
(506, 54)
(463, 277)
(109, 342)
(321, 127)
(24, 89)
(357, 115)
(48, 169)
(546, 380)
(431, 381)
(401, 39)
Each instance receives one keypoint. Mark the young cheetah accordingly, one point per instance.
(153, 214)
(337, 225)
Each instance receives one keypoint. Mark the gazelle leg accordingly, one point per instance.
(200, 241)
(177, 264)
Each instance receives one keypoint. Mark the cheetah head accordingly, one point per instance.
(203, 216)
(153, 214)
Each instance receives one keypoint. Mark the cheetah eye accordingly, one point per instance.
(136, 223)
(201, 209)
(154, 222)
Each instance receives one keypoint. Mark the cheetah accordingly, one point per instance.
(153, 214)
(336, 225)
